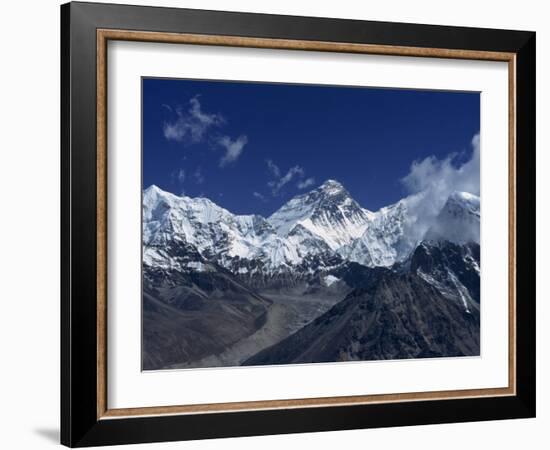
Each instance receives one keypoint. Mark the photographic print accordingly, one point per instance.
(291, 224)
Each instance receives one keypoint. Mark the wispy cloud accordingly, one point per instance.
(273, 168)
(233, 148)
(296, 172)
(306, 183)
(259, 196)
(191, 125)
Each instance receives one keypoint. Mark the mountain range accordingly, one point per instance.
(321, 279)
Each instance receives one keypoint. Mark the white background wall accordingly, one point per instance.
(29, 223)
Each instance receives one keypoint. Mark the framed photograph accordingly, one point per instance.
(276, 224)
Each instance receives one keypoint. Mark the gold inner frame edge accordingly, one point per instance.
(103, 36)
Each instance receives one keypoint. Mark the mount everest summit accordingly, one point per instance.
(321, 279)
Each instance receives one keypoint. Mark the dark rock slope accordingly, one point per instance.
(400, 316)
(450, 265)
(187, 316)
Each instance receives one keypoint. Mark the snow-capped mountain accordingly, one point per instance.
(305, 232)
(458, 221)
(388, 238)
(319, 229)
(328, 213)
(216, 233)
(384, 240)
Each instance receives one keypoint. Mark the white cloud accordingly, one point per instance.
(277, 184)
(191, 126)
(233, 149)
(202, 117)
(306, 183)
(443, 176)
(273, 168)
(259, 196)
(295, 173)
(194, 125)
(431, 181)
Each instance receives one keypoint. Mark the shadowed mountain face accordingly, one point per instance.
(188, 316)
(322, 279)
(402, 316)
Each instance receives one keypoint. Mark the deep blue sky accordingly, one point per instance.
(364, 138)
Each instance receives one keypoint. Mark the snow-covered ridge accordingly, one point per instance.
(213, 230)
(328, 212)
(323, 223)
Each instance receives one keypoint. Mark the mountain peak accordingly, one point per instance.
(331, 182)
(458, 220)
(153, 194)
(462, 201)
(153, 188)
(458, 196)
(328, 213)
(332, 186)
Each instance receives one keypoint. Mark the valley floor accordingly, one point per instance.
(287, 314)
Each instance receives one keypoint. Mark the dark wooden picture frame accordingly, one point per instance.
(85, 417)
